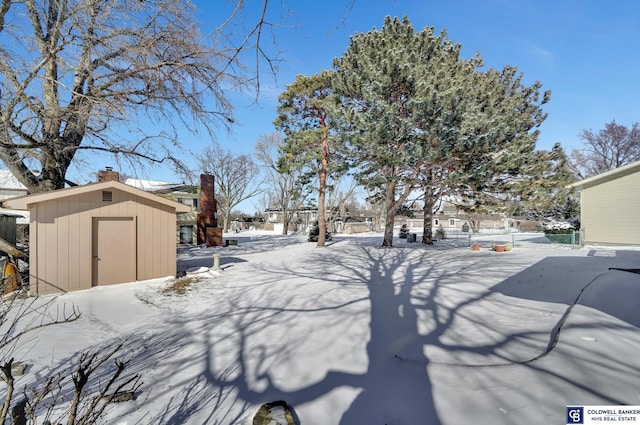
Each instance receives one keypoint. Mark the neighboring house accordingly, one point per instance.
(246, 223)
(98, 234)
(610, 206)
(13, 224)
(197, 226)
(303, 215)
(10, 187)
(189, 195)
(458, 220)
(350, 225)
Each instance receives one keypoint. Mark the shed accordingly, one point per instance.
(8, 227)
(610, 206)
(98, 234)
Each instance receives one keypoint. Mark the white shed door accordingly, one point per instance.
(114, 250)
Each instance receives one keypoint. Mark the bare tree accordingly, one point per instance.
(612, 147)
(19, 318)
(340, 193)
(236, 178)
(285, 186)
(74, 73)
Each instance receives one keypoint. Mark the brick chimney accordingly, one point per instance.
(208, 231)
(108, 175)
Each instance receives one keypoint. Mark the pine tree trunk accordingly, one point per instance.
(322, 222)
(429, 202)
(390, 208)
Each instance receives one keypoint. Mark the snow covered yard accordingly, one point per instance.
(359, 334)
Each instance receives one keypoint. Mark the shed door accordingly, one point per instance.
(114, 250)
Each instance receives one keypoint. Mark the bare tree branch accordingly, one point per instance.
(236, 178)
(93, 66)
(612, 147)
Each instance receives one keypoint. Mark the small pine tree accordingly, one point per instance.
(314, 232)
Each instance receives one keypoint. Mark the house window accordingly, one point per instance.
(186, 234)
(107, 196)
(192, 202)
(452, 222)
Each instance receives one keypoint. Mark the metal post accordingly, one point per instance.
(216, 262)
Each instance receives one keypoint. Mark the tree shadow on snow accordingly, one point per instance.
(390, 324)
(408, 302)
(583, 280)
(400, 310)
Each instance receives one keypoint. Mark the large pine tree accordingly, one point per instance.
(420, 117)
(384, 79)
(304, 117)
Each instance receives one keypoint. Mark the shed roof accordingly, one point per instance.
(607, 176)
(24, 202)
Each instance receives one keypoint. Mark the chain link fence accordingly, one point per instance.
(487, 237)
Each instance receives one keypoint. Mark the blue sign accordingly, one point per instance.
(575, 415)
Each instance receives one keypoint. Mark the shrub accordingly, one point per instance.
(404, 231)
(560, 231)
(553, 227)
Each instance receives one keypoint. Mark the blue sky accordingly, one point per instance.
(585, 52)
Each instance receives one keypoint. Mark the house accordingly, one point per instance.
(10, 186)
(98, 234)
(185, 194)
(13, 223)
(610, 206)
(449, 220)
(200, 224)
(350, 225)
(301, 215)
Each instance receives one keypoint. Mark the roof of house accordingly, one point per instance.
(9, 181)
(625, 170)
(24, 202)
(155, 185)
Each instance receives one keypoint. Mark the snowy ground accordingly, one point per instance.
(359, 334)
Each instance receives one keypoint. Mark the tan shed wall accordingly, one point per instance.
(610, 212)
(61, 235)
